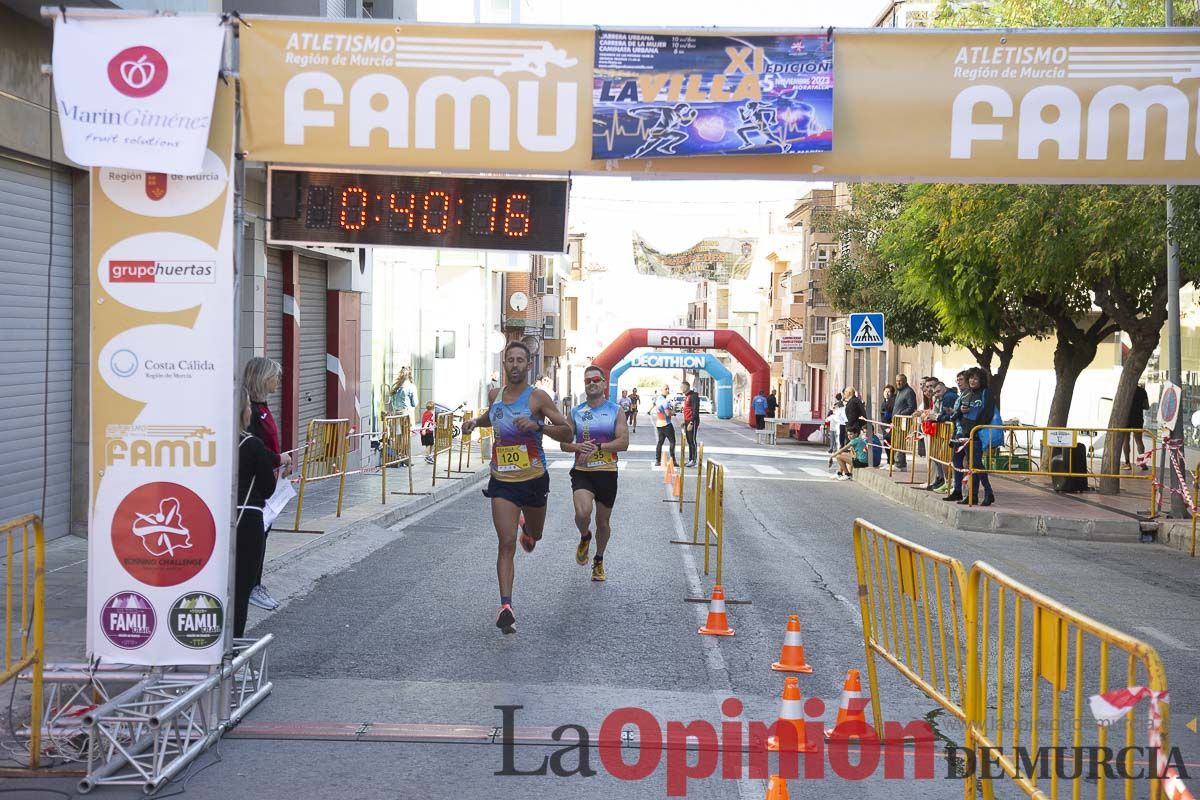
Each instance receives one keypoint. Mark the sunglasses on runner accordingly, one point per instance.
(593, 380)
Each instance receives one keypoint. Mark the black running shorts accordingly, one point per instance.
(601, 483)
(526, 494)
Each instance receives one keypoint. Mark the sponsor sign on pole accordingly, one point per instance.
(664, 94)
(719, 259)
(137, 93)
(792, 343)
(1054, 106)
(162, 429)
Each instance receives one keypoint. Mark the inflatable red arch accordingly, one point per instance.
(691, 339)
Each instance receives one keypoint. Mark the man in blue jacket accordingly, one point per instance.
(945, 399)
(759, 405)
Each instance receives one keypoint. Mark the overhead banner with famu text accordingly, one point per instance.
(659, 94)
(719, 259)
(162, 421)
(1049, 106)
(137, 92)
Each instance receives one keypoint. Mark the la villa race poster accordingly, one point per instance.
(660, 95)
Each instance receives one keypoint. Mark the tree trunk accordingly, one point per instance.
(996, 384)
(1144, 340)
(1073, 352)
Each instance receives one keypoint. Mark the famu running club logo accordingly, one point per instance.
(197, 620)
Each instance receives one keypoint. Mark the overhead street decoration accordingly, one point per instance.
(1052, 106)
(662, 94)
(719, 259)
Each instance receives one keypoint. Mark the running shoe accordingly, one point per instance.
(581, 552)
(527, 541)
(260, 598)
(506, 621)
(598, 570)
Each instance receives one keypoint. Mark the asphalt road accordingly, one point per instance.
(403, 635)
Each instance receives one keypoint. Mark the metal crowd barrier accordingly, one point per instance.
(324, 458)
(485, 435)
(1015, 666)
(906, 430)
(911, 600)
(396, 450)
(940, 448)
(25, 616)
(714, 516)
(1034, 454)
(1032, 662)
(443, 442)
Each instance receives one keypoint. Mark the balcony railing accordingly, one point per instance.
(818, 338)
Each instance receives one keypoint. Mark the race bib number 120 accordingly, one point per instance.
(512, 458)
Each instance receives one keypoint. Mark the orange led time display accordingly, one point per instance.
(386, 210)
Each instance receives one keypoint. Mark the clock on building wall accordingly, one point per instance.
(518, 301)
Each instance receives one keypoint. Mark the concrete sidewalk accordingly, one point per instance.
(1025, 505)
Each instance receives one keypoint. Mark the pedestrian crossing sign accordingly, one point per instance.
(866, 330)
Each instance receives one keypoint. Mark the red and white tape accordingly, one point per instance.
(1111, 707)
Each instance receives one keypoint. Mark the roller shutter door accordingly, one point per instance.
(35, 438)
(314, 284)
(275, 321)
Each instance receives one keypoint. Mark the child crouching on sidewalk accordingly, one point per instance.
(853, 456)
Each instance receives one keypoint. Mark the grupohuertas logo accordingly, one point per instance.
(138, 71)
(197, 620)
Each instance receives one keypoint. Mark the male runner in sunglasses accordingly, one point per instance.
(599, 432)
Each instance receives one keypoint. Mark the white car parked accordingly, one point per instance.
(706, 406)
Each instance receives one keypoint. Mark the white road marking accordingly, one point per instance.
(562, 463)
(793, 479)
(764, 469)
(1165, 638)
(816, 473)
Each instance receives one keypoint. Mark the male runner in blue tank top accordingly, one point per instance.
(517, 414)
(599, 433)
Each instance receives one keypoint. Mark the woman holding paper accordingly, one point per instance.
(261, 380)
(256, 482)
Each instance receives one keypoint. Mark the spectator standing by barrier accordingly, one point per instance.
(959, 453)
(663, 410)
(772, 405)
(856, 412)
(835, 421)
(904, 405)
(944, 400)
(979, 410)
(760, 406)
(403, 400)
(256, 483)
(1137, 419)
(885, 416)
(260, 380)
(691, 419)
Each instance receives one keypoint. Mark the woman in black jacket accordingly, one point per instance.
(256, 483)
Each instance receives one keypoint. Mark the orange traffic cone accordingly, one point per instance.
(777, 788)
(790, 713)
(677, 485)
(669, 472)
(717, 624)
(852, 709)
(792, 657)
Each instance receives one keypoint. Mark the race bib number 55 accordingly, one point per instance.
(600, 458)
(512, 458)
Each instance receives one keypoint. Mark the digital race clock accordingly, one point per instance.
(361, 209)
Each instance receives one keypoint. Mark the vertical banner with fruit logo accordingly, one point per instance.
(162, 425)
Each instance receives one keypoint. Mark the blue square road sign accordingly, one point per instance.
(866, 330)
